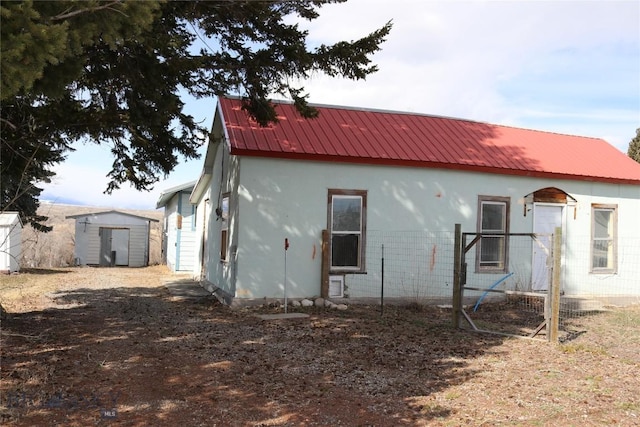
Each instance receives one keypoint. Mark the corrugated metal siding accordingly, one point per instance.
(360, 136)
(138, 243)
(10, 241)
(92, 244)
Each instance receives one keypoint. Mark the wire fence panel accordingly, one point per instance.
(596, 280)
(592, 279)
(418, 267)
(507, 282)
(510, 295)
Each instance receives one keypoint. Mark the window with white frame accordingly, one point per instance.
(604, 238)
(347, 226)
(224, 227)
(493, 225)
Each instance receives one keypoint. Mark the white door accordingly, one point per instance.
(545, 220)
(120, 244)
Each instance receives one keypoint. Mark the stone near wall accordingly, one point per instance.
(319, 302)
(306, 303)
(295, 303)
(341, 307)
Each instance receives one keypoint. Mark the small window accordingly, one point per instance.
(194, 217)
(347, 224)
(604, 239)
(493, 225)
(224, 227)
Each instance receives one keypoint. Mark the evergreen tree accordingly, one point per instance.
(110, 72)
(634, 147)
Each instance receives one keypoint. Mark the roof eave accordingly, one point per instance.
(433, 165)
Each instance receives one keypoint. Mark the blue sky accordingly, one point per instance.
(564, 66)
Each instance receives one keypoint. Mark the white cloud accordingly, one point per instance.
(562, 66)
(495, 61)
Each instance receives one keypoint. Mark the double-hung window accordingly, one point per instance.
(603, 238)
(493, 226)
(347, 224)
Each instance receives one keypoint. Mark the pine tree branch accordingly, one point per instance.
(66, 15)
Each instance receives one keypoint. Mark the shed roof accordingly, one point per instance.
(110, 212)
(167, 194)
(343, 134)
(9, 219)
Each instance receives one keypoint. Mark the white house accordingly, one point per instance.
(179, 228)
(361, 176)
(10, 242)
(112, 238)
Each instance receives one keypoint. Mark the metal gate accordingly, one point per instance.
(519, 313)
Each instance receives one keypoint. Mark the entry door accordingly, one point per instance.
(545, 220)
(114, 239)
(120, 244)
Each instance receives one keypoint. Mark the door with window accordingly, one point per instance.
(546, 218)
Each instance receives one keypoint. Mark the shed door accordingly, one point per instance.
(120, 244)
(114, 240)
(545, 219)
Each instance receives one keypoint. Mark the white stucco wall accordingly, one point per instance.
(222, 273)
(278, 199)
(201, 238)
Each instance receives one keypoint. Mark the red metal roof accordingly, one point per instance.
(342, 134)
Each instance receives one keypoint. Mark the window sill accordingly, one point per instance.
(343, 272)
(496, 271)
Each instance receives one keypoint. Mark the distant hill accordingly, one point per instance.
(55, 249)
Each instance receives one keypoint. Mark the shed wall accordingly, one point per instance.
(10, 246)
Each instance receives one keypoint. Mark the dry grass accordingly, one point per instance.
(111, 346)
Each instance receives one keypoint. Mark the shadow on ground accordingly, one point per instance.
(141, 356)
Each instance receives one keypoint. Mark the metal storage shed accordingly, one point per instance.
(10, 241)
(112, 238)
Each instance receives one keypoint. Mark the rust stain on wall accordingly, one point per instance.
(433, 258)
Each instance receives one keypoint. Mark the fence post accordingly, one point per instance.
(554, 316)
(324, 269)
(382, 283)
(457, 287)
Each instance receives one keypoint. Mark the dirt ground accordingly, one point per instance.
(87, 346)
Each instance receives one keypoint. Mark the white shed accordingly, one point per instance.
(112, 239)
(179, 228)
(10, 241)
